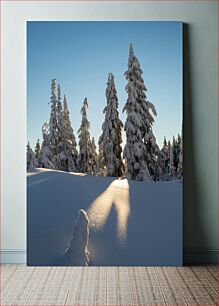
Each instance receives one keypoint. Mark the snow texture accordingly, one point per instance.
(77, 253)
(131, 223)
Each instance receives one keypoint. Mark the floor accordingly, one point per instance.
(79, 286)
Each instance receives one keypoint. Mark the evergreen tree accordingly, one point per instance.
(85, 149)
(59, 108)
(59, 158)
(111, 163)
(171, 167)
(179, 140)
(159, 167)
(46, 156)
(94, 157)
(53, 126)
(68, 140)
(176, 149)
(59, 123)
(180, 164)
(37, 150)
(31, 159)
(100, 157)
(138, 124)
(164, 160)
(153, 156)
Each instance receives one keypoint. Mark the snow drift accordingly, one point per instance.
(77, 253)
(131, 223)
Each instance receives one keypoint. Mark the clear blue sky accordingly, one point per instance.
(80, 55)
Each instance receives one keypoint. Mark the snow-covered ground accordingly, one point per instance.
(131, 223)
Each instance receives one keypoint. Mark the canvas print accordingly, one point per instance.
(104, 143)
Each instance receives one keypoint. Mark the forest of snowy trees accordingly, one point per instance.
(141, 158)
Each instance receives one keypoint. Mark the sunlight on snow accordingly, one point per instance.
(117, 193)
(78, 174)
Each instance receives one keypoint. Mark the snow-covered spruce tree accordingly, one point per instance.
(94, 157)
(46, 156)
(164, 157)
(37, 150)
(176, 151)
(171, 167)
(77, 253)
(138, 125)
(68, 141)
(53, 126)
(59, 127)
(100, 157)
(179, 140)
(152, 155)
(61, 154)
(84, 160)
(159, 167)
(111, 163)
(31, 159)
(180, 164)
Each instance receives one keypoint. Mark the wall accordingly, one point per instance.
(200, 111)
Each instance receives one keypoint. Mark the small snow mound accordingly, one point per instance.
(77, 253)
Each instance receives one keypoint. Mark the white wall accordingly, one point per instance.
(201, 17)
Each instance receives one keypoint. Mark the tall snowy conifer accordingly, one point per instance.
(46, 156)
(165, 160)
(139, 122)
(111, 163)
(171, 167)
(176, 150)
(85, 148)
(37, 149)
(31, 159)
(180, 163)
(61, 158)
(68, 140)
(94, 157)
(158, 176)
(152, 155)
(53, 125)
(59, 121)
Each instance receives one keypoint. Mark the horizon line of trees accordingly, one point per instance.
(141, 159)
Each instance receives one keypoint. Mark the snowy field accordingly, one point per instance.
(131, 223)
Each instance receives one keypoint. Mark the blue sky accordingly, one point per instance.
(79, 55)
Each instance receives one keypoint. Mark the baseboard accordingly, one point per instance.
(200, 257)
(13, 256)
(191, 257)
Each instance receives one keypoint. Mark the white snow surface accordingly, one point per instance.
(130, 222)
(77, 253)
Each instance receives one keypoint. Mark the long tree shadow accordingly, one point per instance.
(53, 201)
(103, 242)
(108, 216)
